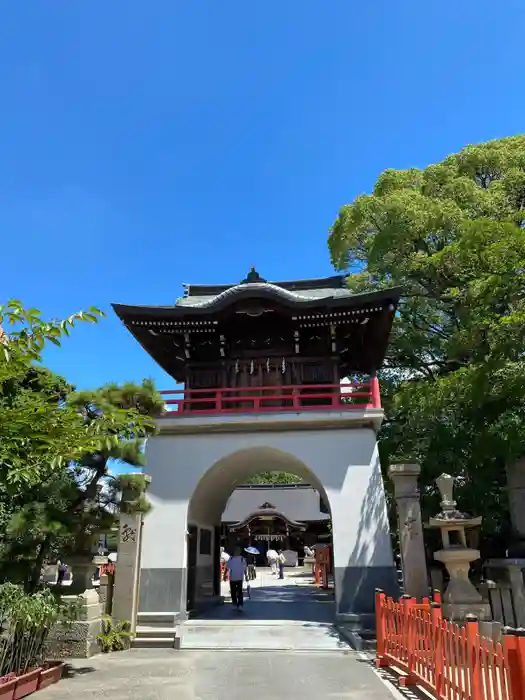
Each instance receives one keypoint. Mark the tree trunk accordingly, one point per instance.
(34, 577)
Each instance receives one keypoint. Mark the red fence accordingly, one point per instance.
(108, 568)
(302, 397)
(449, 661)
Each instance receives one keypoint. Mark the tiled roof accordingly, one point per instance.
(298, 296)
(298, 503)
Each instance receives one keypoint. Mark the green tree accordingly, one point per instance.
(38, 432)
(63, 514)
(274, 478)
(56, 446)
(452, 236)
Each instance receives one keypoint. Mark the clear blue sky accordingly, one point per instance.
(146, 144)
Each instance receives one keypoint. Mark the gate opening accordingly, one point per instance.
(230, 508)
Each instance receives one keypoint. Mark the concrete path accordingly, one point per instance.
(290, 649)
(280, 614)
(213, 675)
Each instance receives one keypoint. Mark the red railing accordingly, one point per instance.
(449, 661)
(108, 568)
(299, 397)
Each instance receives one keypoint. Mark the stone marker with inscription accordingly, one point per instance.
(127, 573)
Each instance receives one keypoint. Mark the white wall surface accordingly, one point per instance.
(343, 463)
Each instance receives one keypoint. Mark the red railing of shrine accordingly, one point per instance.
(108, 568)
(448, 661)
(302, 397)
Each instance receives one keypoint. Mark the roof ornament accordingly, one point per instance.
(252, 276)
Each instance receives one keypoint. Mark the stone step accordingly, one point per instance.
(143, 632)
(157, 619)
(156, 631)
(360, 640)
(247, 622)
(155, 643)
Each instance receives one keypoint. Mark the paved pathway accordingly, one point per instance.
(214, 675)
(281, 614)
(290, 650)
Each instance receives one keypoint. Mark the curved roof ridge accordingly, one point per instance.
(250, 287)
(317, 283)
(262, 512)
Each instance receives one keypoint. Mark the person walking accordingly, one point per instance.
(271, 557)
(281, 561)
(237, 569)
(225, 557)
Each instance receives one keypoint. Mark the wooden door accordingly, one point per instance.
(217, 560)
(191, 563)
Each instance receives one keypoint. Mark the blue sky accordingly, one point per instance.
(143, 145)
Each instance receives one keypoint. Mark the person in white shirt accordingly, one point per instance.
(237, 569)
(281, 561)
(225, 557)
(272, 557)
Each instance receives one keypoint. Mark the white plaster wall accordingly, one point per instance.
(344, 463)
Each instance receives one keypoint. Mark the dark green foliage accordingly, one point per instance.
(56, 446)
(25, 621)
(116, 636)
(64, 514)
(274, 478)
(454, 381)
(132, 488)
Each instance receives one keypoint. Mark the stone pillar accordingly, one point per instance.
(105, 593)
(413, 560)
(127, 571)
(515, 573)
(516, 496)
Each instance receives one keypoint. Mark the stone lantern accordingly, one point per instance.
(461, 597)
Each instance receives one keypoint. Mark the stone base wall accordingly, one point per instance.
(77, 639)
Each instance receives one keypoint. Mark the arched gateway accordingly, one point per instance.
(262, 366)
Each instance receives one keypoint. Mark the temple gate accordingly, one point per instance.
(275, 376)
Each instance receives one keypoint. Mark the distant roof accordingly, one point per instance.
(299, 503)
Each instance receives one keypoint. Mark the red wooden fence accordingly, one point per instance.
(108, 568)
(449, 661)
(302, 397)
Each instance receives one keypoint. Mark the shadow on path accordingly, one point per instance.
(271, 599)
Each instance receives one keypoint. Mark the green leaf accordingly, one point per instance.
(453, 382)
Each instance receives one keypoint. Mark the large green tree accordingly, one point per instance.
(57, 446)
(38, 431)
(452, 236)
(63, 514)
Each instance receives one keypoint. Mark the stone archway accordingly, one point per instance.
(208, 502)
(218, 483)
(194, 470)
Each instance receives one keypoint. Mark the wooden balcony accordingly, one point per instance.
(296, 399)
